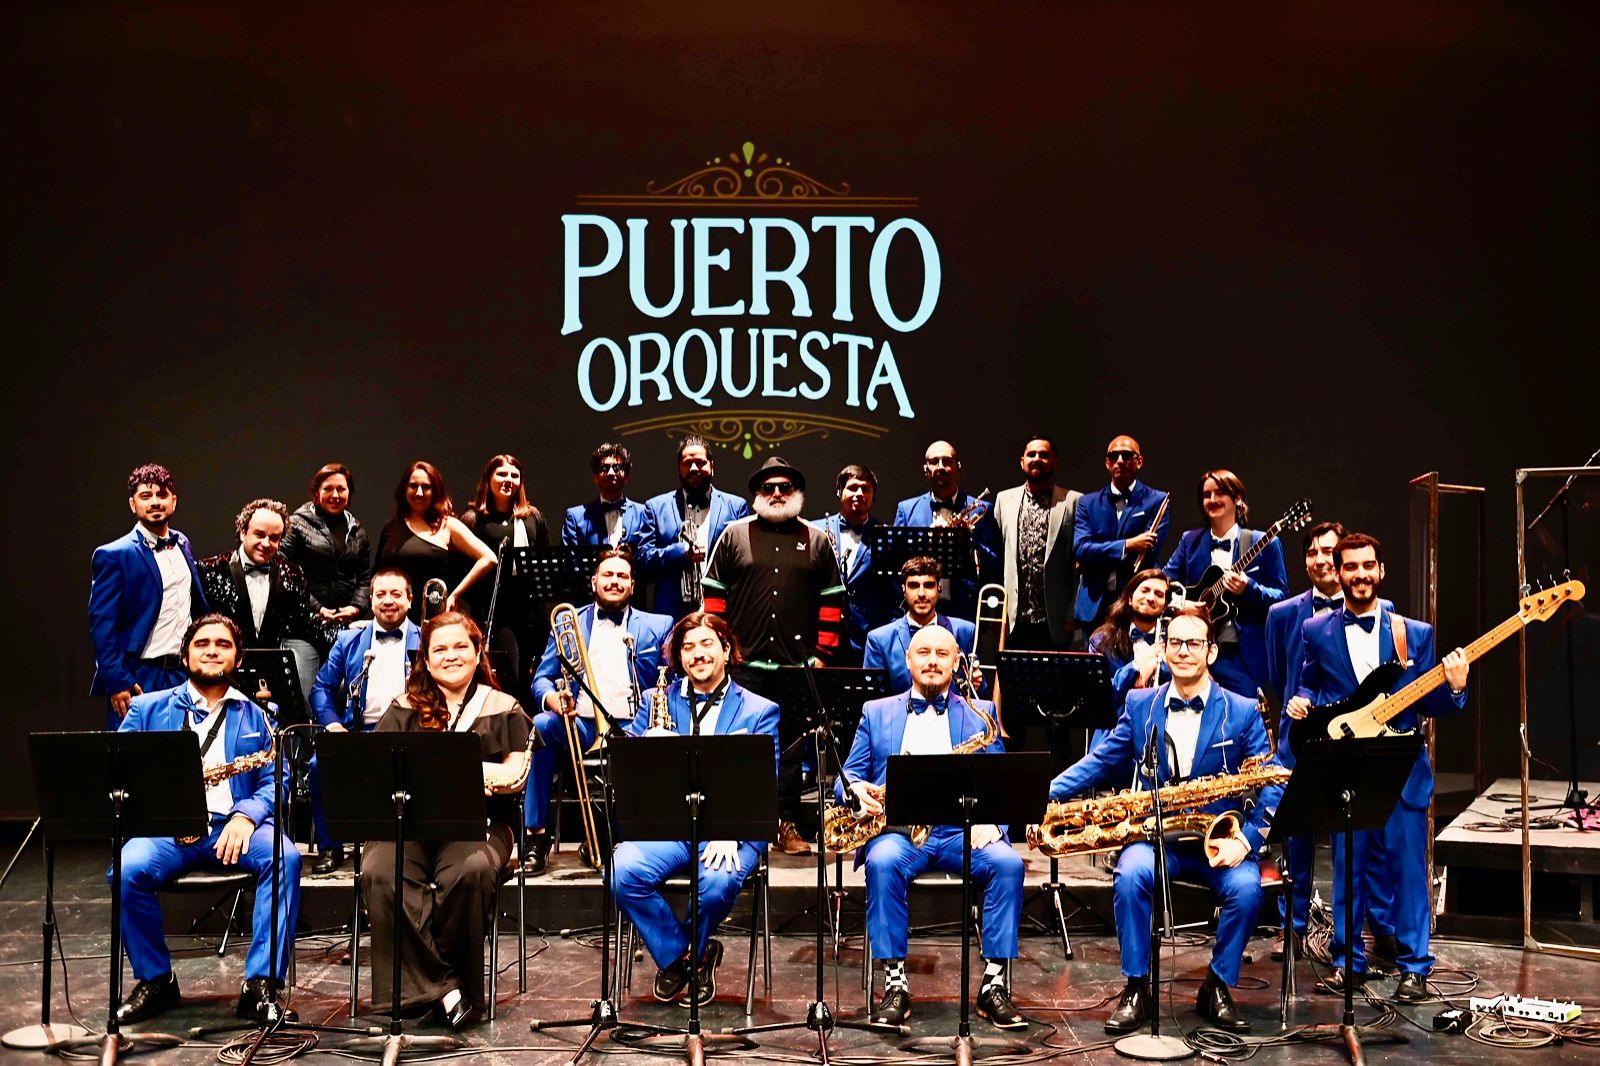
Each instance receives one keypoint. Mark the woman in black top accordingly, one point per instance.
(426, 540)
(451, 688)
(333, 549)
(501, 514)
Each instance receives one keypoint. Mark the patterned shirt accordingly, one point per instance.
(1033, 532)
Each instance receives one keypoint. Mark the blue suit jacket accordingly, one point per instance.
(1326, 675)
(867, 602)
(586, 524)
(918, 511)
(124, 601)
(649, 632)
(886, 647)
(329, 691)
(244, 732)
(664, 554)
(1124, 672)
(1097, 539)
(1230, 732)
(1284, 653)
(1269, 583)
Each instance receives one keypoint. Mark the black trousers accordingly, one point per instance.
(441, 936)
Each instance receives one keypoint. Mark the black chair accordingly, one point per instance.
(230, 886)
(869, 968)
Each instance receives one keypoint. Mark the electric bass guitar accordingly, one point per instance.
(1368, 710)
(1209, 589)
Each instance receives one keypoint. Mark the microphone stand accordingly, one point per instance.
(46, 1034)
(494, 591)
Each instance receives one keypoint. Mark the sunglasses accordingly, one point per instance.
(777, 488)
(1121, 457)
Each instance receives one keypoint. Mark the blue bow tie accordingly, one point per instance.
(1222, 545)
(389, 634)
(1366, 622)
(1139, 636)
(939, 704)
(1325, 603)
(614, 617)
(1176, 703)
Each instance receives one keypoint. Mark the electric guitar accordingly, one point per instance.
(1367, 711)
(1211, 592)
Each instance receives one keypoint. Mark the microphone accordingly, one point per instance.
(635, 697)
(361, 678)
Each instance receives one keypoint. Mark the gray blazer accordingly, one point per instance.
(1060, 577)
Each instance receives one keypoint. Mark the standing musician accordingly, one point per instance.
(681, 527)
(1113, 528)
(611, 518)
(625, 648)
(1036, 521)
(708, 701)
(944, 504)
(364, 674)
(887, 645)
(146, 590)
(229, 728)
(1340, 649)
(1199, 728)
(1241, 663)
(450, 689)
(850, 531)
(929, 719)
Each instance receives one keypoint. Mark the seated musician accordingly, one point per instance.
(1127, 638)
(624, 648)
(930, 719)
(229, 727)
(887, 644)
(450, 689)
(1200, 729)
(707, 701)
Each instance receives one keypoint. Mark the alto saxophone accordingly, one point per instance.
(215, 775)
(845, 830)
(660, 714)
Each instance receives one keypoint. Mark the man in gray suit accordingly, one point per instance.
(1035, 520)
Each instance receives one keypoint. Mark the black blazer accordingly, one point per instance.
(289, 610)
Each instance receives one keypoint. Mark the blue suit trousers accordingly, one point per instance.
(553, 732)
(892, 861)
(1238, 892)
(638, 870)
(1395, 856)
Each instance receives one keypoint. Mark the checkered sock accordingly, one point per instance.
(894, 975)
(994, 973)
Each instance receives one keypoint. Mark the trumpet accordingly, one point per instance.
(968, 517)
(568, 637)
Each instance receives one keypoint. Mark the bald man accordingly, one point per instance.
(930, 719)
(943, 501)
(1113, 527)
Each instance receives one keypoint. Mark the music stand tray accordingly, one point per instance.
(270, 675)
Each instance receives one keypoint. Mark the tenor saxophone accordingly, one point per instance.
(845, 830)
(215, 775)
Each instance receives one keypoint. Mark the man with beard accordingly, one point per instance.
(943, 504)
(929, 719)
(1113, 527)
(850, 532)
(146, 590)
(1339, 650)
(365, 672)
(1036, 520)
(887, 645)
(682, 526)
(228, 727)
(611, 518)
(774, 578)
(1127, 638)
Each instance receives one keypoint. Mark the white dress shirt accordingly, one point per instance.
(1224, 557)
(1183, 728)
(608, 661)
(1363, 645)
(166, 637)
(387, 678)
(257, 587)
(927, 733)
(219, 797)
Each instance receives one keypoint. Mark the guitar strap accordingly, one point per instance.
(1397, 627)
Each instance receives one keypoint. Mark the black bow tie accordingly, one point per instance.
(389, 634)
(939, 703)
(607, 505)
(614, 617)
(1139, 636)
(1176, 703)
(1118, 497)
(693, 499)
(1366, 621)
(257, 568)
(1222, 545)
(163, 543)
(1325, 603)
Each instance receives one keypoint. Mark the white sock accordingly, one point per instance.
(994, 973)
(894, 975)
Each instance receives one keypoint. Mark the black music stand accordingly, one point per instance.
(702, 788)
(950, 545)
(271, 676)
(1068, 690)
(966, 790)
(1342, 786)
(153, 789)
(556, 573)
(435, 793)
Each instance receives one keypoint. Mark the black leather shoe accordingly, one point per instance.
(1215, 1005)
(1333, 984)
(994, 1004)
(710, 959)
(329, 860)
(538, 857)
(1412, 988)
(254, 995)
(454, 1017)
(148, 999)
(1134, 1009)
(671, 981)
(894, 1008)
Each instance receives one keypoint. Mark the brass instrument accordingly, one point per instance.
(845, 830)
(989, 640)
(689, 581)
(660, 714)
(215, 775)
(968, 517)
(1103, 823)
(570, 646)
(516, 784)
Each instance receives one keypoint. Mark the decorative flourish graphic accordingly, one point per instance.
(748, 176)
(750, 432)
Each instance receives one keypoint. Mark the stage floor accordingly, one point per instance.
(1068, 1000)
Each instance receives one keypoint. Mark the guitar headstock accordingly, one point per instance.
(1542, 604)
(1296, 517)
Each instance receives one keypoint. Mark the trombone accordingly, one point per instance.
(988, 641)
(570, 647)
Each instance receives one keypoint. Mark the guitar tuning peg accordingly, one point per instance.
(1566, 575)
(1525, 591)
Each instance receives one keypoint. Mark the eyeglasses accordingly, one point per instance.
(1121, 457)
(1197, 645)
(777, 488)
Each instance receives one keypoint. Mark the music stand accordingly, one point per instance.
(950, 545)
(435, 793)
(965, 790)
(270, 676)
(1342, 786)
(1067, 689)
(557, 573)
(153, 789)
(702, 788)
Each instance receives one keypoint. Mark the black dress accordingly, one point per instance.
(442, 937)
(521, 624)
(422, 560)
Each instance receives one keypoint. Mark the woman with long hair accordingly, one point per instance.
(426, 540)
(501, 514)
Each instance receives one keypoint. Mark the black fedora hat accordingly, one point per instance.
(775, 465)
